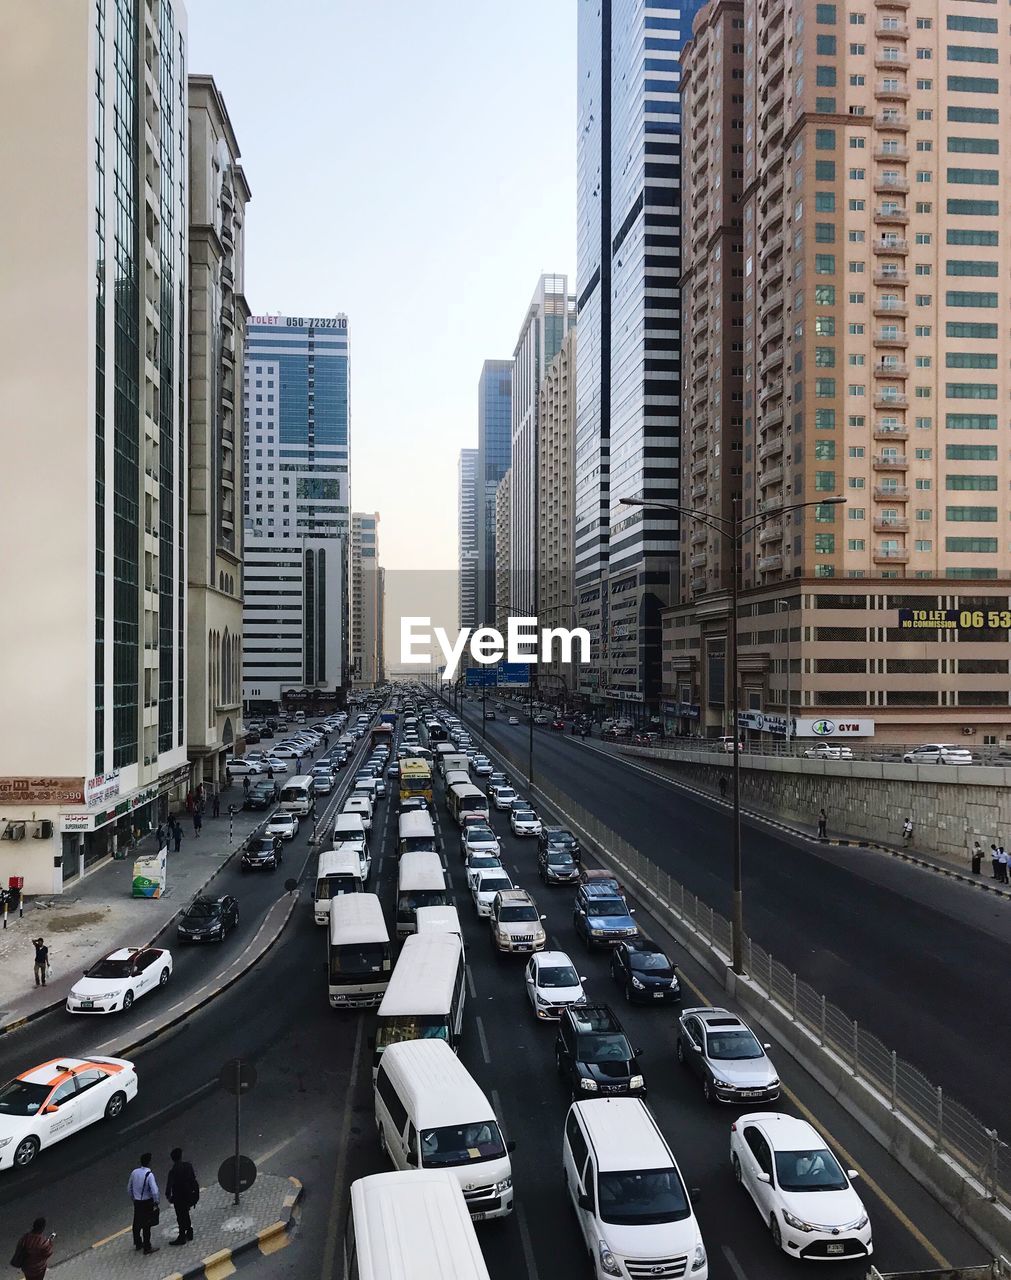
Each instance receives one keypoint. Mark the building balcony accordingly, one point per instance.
(770, 533)
(885, 216)
(772, 503)
(769, 564)
(699, 490)
(886, 63)
(886, 153)
(892, 120)
(895, 245)
(887, 432)
(890, 555)
(885, 90)
(771, 302)
(772, 245)
(892, 370)
(890, 402)
(699, 537)
(891, 493)
(773, 389)
(228, 315)
(698, 561)
(774, 185)
(897, 339)
(770, 448)
(898, 32)
(773, 418)
(885, 185)
(772, 333)
(773, 97)
(891, 462)
(772, 361)
(771, 477)
(891, 4)
(883, 308)
(883, 525)
(890, 277)
(699, 584)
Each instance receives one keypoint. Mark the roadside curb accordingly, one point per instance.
(218, 1264)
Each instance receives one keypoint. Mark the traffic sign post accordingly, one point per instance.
(237, 1173)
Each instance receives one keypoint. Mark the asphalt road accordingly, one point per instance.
(916, 957)
(311, 1112)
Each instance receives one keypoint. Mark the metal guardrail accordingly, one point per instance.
(887, 753)
(949, 1125)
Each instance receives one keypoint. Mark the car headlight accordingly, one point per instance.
(639, 986)
(5, 1141)
(798, 1224)
(699, 1260)
(860, 1223)
(608, 1262)
(636, 1082)
(504, 1185)
(589, 1085)
(722, 1084)
(599, 933)
(109, 995)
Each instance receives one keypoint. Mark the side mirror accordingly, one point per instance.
(766, 1046)
(510, 1147)
(696, 1192)
(544, 917)
(51, 1110)
(852, 1173)
(696, 1047)
(762, 1176)
(638, 1053)
(582, 977)
(631, 911)
(585, 1201)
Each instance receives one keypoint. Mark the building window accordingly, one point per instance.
(855, 544)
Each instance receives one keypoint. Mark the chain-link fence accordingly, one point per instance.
(948, 1124)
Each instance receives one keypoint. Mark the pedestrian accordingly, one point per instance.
(177, 834)
(189, 801)
(198, 821)
(270, 773)
(822, 824)
(245, 786)
(41, 961)
(228, 777)
(33, 1251)
(1005, 865)
(995, 862)
(723, 787)
(143, 1191)
(977, 857)
(216, 805)
(907, 832)
(182, 1191)
(298, 764)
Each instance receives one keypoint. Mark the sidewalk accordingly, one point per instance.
(220, 1233)
(98, 914)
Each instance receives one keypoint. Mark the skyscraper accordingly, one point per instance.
(503, 524)
(627, 373)
(366, 608)
(541, 333)
(467, 482)
(870, 201)
(218, 194)
(494, 450)
(297, 506)
(93, 419)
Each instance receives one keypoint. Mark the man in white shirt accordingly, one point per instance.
(143, 1191)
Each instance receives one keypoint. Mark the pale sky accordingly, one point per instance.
(413, 164)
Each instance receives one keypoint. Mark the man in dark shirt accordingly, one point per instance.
(182, 1192)
(41, 961)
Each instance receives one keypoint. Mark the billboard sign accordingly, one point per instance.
(513, 675)
(825, 728)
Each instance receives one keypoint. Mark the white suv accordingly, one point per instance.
(938, 753)
(515, 923)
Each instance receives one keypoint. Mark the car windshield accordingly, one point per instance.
(595, 1046)
(559, 975)
(561, 837)
(641, 1197)
(475, 835)
(608, 907)
(524, 815)
(411, 1027)
(261, 845)
(359, 959)
(653, 961)
(409, 901)
(481, 861)
(19, 1098)
(815, 1170)
(724, 1046)
(560, 858)
(518, 914)
(110, 969)
(461, 1144)
(492, 884)
(203, 910)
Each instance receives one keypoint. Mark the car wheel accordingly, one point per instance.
(738, 1176)
(128, 1001)
(680, 1051)
(25, 1152)
(114, 1107)
(777, 1234)
(163, 978)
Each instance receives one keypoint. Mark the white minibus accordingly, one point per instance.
(359, 951)
(421, 882)
(416, 832)
(410, 1226)
(463, 798)
(425, 998)
(439, 920)
(338, 871)
(432, 1114)
(456, 778)
(298, 795)
(453, 762)
(347, 826)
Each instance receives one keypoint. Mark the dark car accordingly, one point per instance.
(262, 853)
(208, 919)
(267, 732)
(558, 724)
(646, 974)
(593, 1055)
(556, 865)
(251, 737)
(727, 1057)
(558, 838)
(601, 917)
(489, 715)
(261, 795)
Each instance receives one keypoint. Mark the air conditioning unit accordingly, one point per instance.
(43, 830)
(14, 831)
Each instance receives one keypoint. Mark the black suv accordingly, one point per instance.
(645, 973)
(208, 919)
(261, 795)
(593, 1055)
(558, 838)
(262, 853)
(557, 863)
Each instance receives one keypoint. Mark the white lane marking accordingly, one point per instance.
(336, 1216)
(470, 983)
(179, 1102)
(484, 1042)
(525, 1241)
(269, 1155)
(735, 1266)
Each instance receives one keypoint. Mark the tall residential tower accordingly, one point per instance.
(494, 450)
(467, 486)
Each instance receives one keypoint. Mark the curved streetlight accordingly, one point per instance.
(734, 528)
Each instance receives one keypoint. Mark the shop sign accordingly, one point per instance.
(105, 787)
(825, 728)
(41, 791)
(142, 797)
(688, 709)
(77, 822)
(761, 722)
(626, 695)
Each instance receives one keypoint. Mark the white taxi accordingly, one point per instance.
(113, 984)
(54, 1100)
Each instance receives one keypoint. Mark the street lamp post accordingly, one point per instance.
(733, 528)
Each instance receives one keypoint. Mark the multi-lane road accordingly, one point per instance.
(311, 1113)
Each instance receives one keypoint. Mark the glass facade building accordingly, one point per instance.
(494, 452)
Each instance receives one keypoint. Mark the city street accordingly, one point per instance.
(311, 1112)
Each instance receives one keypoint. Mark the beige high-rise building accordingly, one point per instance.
(503, 562)
(864, 148)
(366, 604)
(218, 194)
(556, 480)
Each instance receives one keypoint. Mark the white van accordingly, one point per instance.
(348, 826)
(463, 798)
(337, 871)
(298, 795)
(439, 920)
(410, 1226)
(457, 778)
(421, 882)
(453, 761)
(415, 831)
(627, 1191)
(359, 951)
(361, 805)
(431, 1114)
